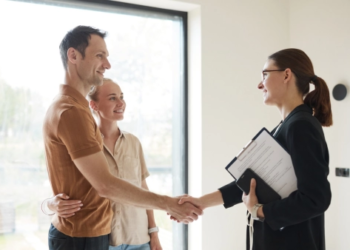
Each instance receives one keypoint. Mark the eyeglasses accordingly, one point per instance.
(269, 70)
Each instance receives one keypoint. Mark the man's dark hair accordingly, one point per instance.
(78, 38)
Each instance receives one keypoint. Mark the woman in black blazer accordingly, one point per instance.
(295, 222)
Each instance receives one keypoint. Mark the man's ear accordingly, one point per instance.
(72, 55)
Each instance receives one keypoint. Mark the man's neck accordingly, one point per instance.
(78, 84)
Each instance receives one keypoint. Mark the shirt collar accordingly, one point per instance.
(120, 136)
(75, 94)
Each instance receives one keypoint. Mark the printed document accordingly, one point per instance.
(270, 161)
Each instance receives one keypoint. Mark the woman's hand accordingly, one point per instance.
(62, 206)
(251, 199)
(155, 244)
(195, 201)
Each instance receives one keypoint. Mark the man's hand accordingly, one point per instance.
(62, 206)
(185, 213)
(250, 200)
(208, 200)
(187, 198)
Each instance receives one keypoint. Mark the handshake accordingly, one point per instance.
(185, 208)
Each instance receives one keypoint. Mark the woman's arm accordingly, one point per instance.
(63, 207)
(228, 195)
(155, 243)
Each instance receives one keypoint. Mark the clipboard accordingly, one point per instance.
(246, 149)
(269, 162)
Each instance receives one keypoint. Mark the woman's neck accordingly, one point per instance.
(109, 129)
(289, 106)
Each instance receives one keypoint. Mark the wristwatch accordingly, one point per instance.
(254, 212)
(153, 230)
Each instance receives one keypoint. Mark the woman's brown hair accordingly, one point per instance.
(300, 64)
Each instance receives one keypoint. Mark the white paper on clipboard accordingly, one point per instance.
(266, 157)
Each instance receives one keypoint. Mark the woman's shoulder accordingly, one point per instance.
(304, 124)
(303, 119)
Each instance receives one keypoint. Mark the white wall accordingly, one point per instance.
(236, 38)
(229, 41)
(321, 28)
(226, 108)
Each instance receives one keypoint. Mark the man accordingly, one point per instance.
(75, 160)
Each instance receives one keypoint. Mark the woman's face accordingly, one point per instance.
(273, 84)
(110, 104)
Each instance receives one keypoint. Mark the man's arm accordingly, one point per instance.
(95, 169)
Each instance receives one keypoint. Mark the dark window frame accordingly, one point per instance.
(184, 126)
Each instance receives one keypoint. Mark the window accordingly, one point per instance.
(147, 49)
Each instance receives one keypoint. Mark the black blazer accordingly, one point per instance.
(296, 222)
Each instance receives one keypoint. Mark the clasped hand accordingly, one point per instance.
(186, 202)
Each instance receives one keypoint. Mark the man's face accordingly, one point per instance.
(92, 67)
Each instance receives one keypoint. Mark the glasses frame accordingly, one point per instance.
(269, 70)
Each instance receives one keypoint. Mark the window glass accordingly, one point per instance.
(146, 54)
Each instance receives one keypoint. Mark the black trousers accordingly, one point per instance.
(60, 241)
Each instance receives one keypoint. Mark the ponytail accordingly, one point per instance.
(320, 102)
(301, 66)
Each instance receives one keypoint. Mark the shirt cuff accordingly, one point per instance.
(231, 194)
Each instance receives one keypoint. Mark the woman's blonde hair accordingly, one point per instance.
(93, 94)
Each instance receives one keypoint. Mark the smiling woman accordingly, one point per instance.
(145, 45)
(271, 88)
(296, 221)
(109, 100)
